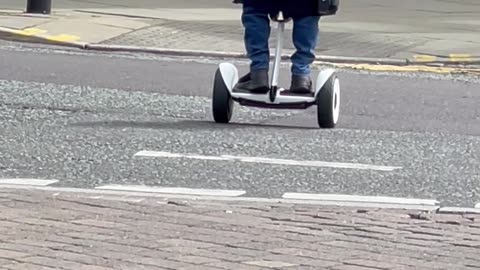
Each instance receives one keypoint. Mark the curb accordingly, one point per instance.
(164, 51)
(359, 63)
(222, 54)
(428, 64)
(410, 68)
(452, 59)
(319, 58)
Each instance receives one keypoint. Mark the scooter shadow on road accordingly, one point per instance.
(183, 125)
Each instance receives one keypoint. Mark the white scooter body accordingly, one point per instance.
(326, 93)
(230, 77)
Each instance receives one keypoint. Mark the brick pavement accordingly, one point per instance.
(228, 37)
(62, 230)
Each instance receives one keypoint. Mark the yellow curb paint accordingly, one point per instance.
(63, 38)
(31, 31)
(389, 68)
(460, 57)
(424, 58)
(453, 57)
(40, 33)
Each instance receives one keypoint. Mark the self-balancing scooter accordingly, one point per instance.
(326, 95)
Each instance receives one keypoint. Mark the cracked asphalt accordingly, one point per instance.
(79, 117)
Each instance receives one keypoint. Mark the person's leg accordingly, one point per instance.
(305, 38)
(257, 33)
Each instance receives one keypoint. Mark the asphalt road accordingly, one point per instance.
(81, 117)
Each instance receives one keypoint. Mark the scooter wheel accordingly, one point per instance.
(328, 101)
(222, 102)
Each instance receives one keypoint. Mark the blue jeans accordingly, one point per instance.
(257, 33)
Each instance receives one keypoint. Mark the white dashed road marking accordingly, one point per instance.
(26, 182)
(358, 199)
(271, 161)
(459, 210)
(136, 195)
(167, 190)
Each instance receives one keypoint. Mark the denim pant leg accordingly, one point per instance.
(305, 38)
(257, 33)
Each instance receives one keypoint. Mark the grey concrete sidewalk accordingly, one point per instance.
(64, 230)
(420, 32)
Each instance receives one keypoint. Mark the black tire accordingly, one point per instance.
(328, 103)
(222, 102)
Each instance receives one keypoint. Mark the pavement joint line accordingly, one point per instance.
(174, 190)
(359, 199)
(269, 161)
(99, 194)
(26, 181)
(115, 14)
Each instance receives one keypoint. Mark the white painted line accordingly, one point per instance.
(166, 190)
(287, 162)
(82, 192)
(477, 206)
(459, 210)
(26, 182)
(116, 198)
(358, 199)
